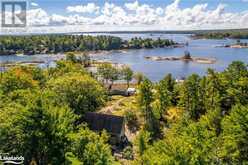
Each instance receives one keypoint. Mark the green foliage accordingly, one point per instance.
(85, 59)
(222, 35)
(138, 43)
(17, 78)
(131, 120)
(139, 77)
(108, 73)
(81, 92)
(213, 90)
(127, 74)
(43, 44)
(145, 100)
(145, 97)
(234, 147)
(165, 94)
(64, 67)
(205, 133)
(186, 143)
(142, 141)
(40, 44)
(71, 57)
(190, 97)
(128, 153)
(236, 77)
(71, 159)
(38, 116)
(38, 130)
(91, 148)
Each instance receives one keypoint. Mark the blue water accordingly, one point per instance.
(156, 70)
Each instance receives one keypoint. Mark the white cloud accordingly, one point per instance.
(34, 4)
(159, 11)
(38, 17)
(136, 16)
(89, 8)
(132, 6)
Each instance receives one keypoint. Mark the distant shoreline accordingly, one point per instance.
(54, 44)
(138, 31)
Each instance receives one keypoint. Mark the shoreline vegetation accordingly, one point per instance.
(203, 117)
(81, 56)
(187, 58)
(221, 35)
(55, 44)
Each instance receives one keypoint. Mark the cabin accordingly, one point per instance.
(114, 125)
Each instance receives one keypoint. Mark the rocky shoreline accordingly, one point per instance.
(233, 46)
(199, 60)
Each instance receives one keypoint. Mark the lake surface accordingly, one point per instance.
(156, 70)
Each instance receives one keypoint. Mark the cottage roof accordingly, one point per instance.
(98, 122)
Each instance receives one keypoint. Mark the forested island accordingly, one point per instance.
(52, 44)
(221, 35)
(202, 120)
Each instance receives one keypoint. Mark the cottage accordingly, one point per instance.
(114, 125)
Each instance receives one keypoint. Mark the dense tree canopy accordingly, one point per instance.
(43, 44)
(213, 126)
(41, 112)
(81, 92)
(31, 130)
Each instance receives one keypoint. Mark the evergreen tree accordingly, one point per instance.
(190, 96)
(234, 146)
(165, 93)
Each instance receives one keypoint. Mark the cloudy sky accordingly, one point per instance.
(117, 15)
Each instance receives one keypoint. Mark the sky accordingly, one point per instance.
(135, 15)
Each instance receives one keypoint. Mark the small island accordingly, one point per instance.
(187, 58)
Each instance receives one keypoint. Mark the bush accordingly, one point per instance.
(131, 120)
(128, 153)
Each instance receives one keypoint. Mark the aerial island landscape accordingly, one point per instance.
(125, 83)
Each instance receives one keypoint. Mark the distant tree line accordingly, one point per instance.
(222, 35)
(52, 44)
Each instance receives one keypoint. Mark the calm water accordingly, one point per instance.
(156, 70)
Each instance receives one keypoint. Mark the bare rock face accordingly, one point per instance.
(187, 57)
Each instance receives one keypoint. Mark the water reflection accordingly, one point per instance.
(156, 70)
